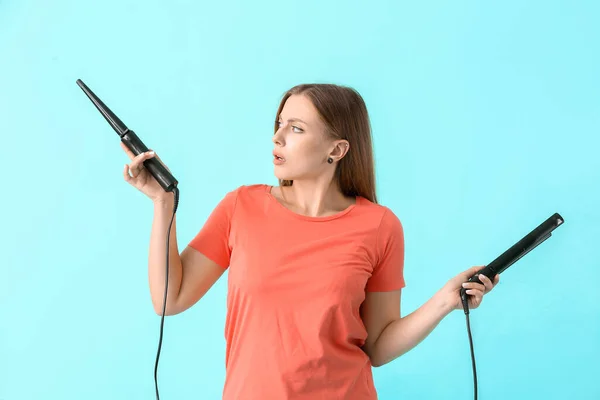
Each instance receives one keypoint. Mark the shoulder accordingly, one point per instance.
(246, 193)
(383, 215)
(242, 196)
(390, 226)
(254, 189)
(386, 226)
(249, 191)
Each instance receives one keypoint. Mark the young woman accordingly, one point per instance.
(315, 263)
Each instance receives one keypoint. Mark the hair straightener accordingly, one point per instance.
(505, 260)
(158, 171)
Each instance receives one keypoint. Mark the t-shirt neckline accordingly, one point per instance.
(308, 217)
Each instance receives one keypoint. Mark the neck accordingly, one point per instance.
(315, 199)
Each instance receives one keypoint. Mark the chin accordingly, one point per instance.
(282, 175)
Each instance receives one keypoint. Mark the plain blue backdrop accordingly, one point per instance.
(485, 117)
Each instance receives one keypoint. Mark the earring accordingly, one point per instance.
(330, 160)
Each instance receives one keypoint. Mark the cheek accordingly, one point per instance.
(309, 157)
(305, 153)
(306, 149)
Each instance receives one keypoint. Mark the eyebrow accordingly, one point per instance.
(295, 119)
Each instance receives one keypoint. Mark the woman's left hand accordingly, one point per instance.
(450, 293)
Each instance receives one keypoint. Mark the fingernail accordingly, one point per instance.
(464, 284)
(150, 153)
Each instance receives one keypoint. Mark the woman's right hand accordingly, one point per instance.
(138, 176)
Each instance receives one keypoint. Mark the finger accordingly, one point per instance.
(475, 292)
(473, 285)
(496, 279)
(143, 156)
(472, 271)
(126, 175)
(135, 170)
(486, 281)
(127, 151)
(476, 300)
(130, 153)
(137, 165)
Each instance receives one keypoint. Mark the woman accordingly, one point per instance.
(315, 263)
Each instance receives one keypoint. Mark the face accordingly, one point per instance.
(301, 142)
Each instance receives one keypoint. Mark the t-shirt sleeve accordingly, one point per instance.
(213, 238)
(388, 272)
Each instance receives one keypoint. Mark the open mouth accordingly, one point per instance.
(277, 157)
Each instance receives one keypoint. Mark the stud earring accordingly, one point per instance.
(330, 160)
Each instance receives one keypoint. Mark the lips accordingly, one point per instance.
(278, 156)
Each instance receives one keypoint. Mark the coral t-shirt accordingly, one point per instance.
(295, 286)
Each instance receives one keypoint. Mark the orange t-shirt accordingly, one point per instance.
(295, 286)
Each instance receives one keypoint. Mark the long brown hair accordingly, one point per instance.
(345, 115)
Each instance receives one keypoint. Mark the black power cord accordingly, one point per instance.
(162, 318)
(465, 303)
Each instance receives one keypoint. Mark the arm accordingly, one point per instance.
(191, 274)
(389, 335)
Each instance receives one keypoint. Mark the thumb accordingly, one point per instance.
(472, 271)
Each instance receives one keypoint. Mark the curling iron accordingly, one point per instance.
(158, 171)
(132, 141)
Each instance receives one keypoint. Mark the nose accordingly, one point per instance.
(278, 137)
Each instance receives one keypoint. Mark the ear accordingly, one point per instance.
(340, 149)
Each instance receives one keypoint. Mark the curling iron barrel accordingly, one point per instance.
(162, 175)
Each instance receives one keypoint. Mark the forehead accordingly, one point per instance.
(299, 106)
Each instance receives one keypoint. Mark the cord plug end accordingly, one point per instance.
(465, 301)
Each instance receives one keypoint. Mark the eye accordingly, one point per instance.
(298, 129)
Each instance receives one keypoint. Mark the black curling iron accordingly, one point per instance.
(516, 252)
(529, 242)
(162, 176)
(132, 141)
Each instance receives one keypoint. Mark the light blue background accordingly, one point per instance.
(486, 122)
